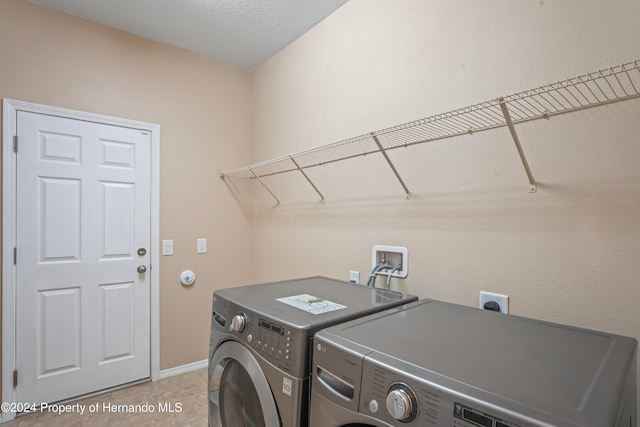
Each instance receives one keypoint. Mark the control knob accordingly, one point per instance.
(401, 403)
(238, 323)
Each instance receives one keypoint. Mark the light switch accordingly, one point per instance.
(167, 247)
(202, 246)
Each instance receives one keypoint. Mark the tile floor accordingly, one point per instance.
(186, 391)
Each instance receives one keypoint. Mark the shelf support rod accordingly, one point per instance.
(393, 168)
(516, 140)
(265, 186)
(307, 178)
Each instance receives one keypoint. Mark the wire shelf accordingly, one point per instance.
(613, 84)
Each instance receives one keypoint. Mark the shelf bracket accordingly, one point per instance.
(265, 186)
(393, 168)
(307, 178)
(505, 111)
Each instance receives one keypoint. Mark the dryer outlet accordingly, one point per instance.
(501, 300)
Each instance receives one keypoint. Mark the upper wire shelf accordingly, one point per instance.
(613, 84)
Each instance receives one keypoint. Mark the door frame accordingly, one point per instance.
(10, 110)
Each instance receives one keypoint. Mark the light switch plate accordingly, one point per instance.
(167, 247)
(201, 246)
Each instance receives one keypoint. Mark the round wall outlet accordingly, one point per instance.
(187, 277)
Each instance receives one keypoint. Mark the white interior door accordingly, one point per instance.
(83, 213)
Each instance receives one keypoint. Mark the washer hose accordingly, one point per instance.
(389, 277)
(372, 277)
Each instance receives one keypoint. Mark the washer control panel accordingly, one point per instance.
(269, 339)
(238, 323)
(273, 341)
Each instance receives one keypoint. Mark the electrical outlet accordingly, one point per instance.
(354, 276)
(501, 300)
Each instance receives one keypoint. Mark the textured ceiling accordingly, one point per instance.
(243, 33)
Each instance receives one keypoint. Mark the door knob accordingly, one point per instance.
(142, 269)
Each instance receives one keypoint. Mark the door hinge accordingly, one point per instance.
(15, 378)
(15, 143)
(15, 256)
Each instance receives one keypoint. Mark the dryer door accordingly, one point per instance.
(239, 393)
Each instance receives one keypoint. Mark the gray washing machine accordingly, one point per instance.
(261, 340)
(439, 364)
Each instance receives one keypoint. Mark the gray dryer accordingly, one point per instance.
(439, 364)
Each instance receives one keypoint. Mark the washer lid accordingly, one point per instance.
(313, 302)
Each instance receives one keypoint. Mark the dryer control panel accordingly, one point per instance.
(402, 403)
(390, 394)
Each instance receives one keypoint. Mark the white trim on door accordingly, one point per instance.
(10, 109)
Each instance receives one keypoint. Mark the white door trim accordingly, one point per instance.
(9, 119)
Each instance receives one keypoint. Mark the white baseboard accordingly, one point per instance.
(190, 367)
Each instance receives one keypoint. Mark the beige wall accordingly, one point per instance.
(568, 253)
(203, 110)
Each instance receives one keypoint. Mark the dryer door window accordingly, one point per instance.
(239, 393)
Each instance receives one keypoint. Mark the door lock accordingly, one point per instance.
(142, 251)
